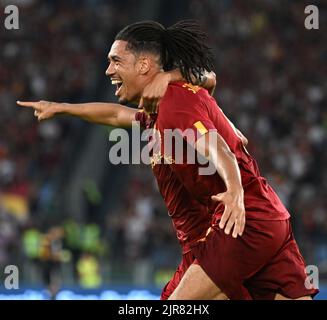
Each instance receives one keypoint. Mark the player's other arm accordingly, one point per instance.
(96, 112)
(207, 80)
(215, 149)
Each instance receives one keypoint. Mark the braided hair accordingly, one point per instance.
(182, 46)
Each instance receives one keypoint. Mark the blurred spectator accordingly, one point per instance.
(89, 271)
(51, 256)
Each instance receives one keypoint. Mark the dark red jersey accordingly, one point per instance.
(194, 112)
(190, 218)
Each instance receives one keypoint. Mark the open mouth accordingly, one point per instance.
(118, 84)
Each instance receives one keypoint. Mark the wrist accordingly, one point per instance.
(174, 75)
(235, 189)
(61, 108)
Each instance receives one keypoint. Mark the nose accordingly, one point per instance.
(110, 70)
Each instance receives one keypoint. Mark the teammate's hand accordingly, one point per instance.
(42, 109)
(153, 92)
(234, 213)
(245, 141)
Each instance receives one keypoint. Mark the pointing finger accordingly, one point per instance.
(28, 104)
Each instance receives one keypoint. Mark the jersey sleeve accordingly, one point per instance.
(141, 117)
(189, 115)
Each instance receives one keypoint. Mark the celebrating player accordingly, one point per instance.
(260, 260)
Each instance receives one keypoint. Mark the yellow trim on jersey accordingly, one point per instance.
(200, 126)
(191, 87)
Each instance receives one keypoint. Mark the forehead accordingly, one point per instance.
(118, 50)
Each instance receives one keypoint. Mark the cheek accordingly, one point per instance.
(131, 80)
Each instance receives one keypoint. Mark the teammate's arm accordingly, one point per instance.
(215, 149)
(207, 81)
(155, 90)
(96, 112)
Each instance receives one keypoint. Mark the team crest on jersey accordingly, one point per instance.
(191, 87)
(158, 158)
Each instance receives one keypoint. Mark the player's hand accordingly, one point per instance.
(42, 109)
(153, 92)
(234, 213)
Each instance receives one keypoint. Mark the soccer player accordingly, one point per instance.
(260, 261)
(192, 220)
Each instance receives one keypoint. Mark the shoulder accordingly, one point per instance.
(182, 106)
(181, 93)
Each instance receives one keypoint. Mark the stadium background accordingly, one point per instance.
(73, 222)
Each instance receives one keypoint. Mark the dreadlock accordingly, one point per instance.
(183, 46)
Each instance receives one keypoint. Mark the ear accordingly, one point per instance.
(144, 65)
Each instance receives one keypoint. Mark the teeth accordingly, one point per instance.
(116, 82)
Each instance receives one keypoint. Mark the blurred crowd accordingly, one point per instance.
(271, 82)
(141, 233)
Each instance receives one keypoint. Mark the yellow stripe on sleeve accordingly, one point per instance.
(200, 126)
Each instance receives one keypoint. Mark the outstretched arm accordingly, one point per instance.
(96, 112)
(111, 113)
(104, 113)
